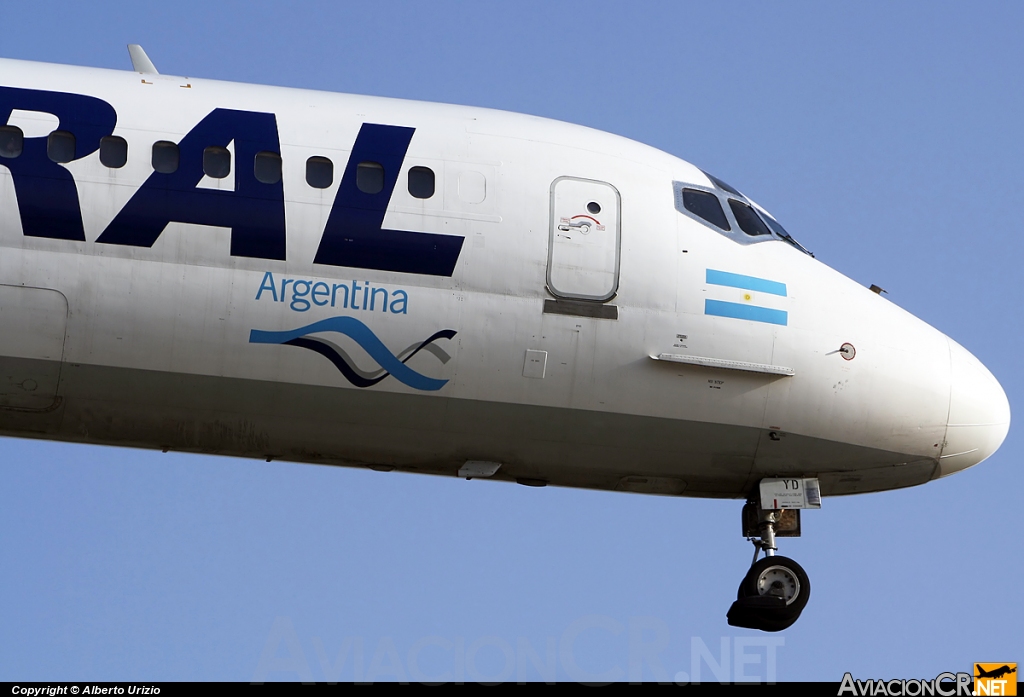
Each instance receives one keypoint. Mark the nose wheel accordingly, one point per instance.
(775, 589)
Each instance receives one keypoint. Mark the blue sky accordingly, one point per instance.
(885, 137)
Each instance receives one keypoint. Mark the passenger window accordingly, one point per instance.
(113, 151)
(60, 146)
(747, 218)
(165, 157)
(421, 182)
(12, 141)
(706, 206)
(370, 177)
(319, 172)
(267, 167)
(216, 162)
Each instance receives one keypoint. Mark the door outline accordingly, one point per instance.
(59, 360)
(552, 226)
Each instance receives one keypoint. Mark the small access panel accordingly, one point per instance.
(583, 248)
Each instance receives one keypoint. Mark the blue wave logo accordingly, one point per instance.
(390, 363)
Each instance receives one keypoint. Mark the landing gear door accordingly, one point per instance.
(583, 247)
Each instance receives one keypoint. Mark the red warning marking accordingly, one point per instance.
(596, 221)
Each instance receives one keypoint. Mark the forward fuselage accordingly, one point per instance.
(414, 286)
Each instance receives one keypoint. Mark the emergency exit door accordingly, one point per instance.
(583, 247)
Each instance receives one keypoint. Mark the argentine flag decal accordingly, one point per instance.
(742, 297)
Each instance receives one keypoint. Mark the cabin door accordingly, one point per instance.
(32, 326)
(583, 246)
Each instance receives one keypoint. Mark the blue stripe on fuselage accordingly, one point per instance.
(735, 280)
(751, 312)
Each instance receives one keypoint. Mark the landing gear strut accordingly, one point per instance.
(776, 589)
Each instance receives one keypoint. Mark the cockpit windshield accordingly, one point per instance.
(706, 205)
(749, 222)
(713, 207)
(777, 228)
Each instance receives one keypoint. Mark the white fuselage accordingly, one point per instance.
(633, 348)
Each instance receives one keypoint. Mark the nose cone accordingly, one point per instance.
(979, 413)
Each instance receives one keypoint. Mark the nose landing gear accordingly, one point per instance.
(776, 589)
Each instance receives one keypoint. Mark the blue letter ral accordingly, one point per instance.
(46, 191)
(254, 211)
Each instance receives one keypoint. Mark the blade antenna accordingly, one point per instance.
(140, 61)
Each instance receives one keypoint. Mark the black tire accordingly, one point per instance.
(778, 576)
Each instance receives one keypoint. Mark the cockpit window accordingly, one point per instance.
(707, 207)
(777, 228)
(747, 219)
(721, 184)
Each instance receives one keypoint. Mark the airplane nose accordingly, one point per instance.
(979, 413)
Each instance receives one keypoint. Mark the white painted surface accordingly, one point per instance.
(185, 307)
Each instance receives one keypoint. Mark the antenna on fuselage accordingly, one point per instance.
(140, 61)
